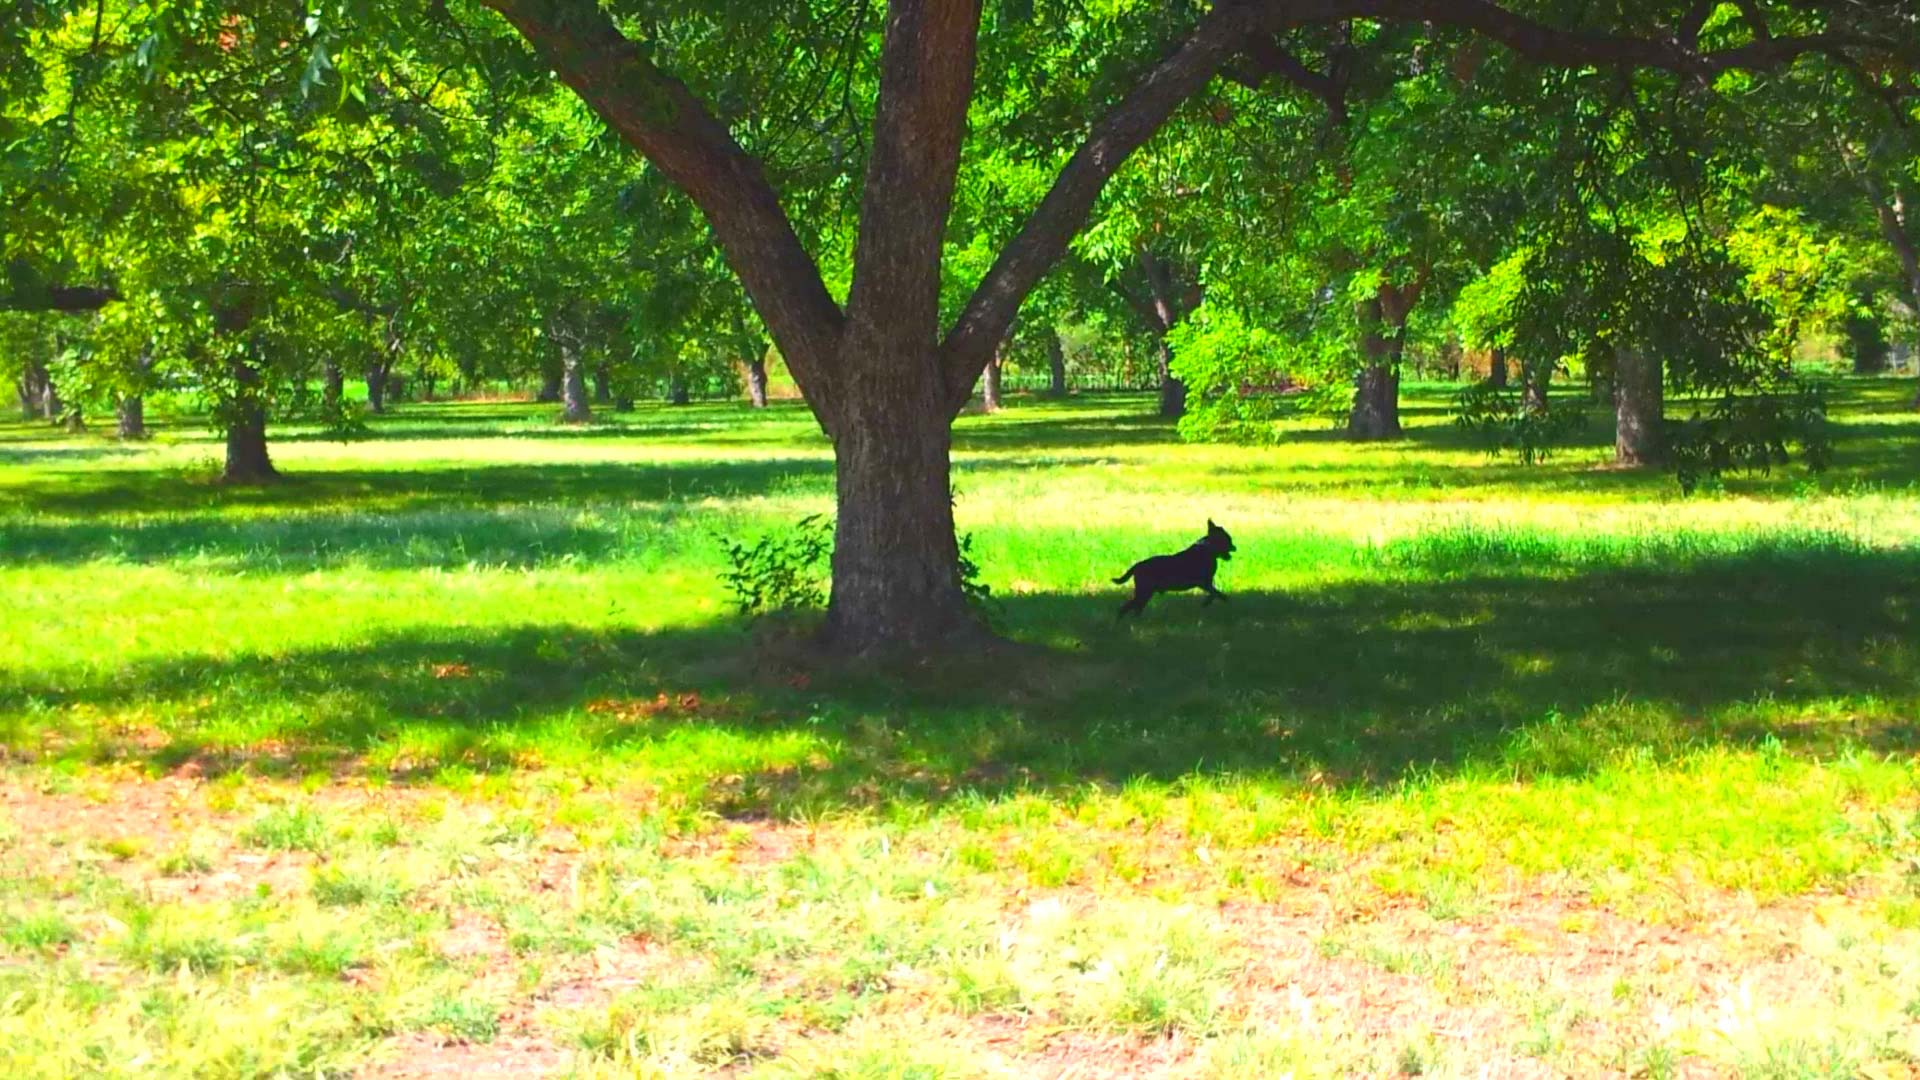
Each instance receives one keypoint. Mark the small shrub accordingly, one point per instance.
(287, 828)
(40, 932)
(464, 1018)
(780, 572)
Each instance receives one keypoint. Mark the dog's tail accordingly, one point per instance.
(1123, 578)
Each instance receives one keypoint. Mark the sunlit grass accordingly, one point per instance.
(452, 741)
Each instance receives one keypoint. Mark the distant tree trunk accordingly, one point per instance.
(757, 381)
(74, 422)
(427, 383)
(1376, 389)
(1896, 224)
(622, 403)
(1173, 392)
(36, 390)
(677, 390)
(51, 407)
(1639, 404)
(379, 381)
(1535, 380)
(333, 385)
(131, 416)
(1056, 366)
(550, 378)
(573, 392)
(247, 459)
(602, 385)
(990, 381)
(1497, 369)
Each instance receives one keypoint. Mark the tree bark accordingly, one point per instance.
(990, 382)
(1497, 369)
(573, 383)
(1056, 366)
(1376, 389)
(757, 381)
(896, 581)
(36, 388)
(1639, 404)
(1535, 378)
(602, 385)
(333, 385)
(247, 458)
(131, 417)
(1376, 404)
(379, 378)
(1167, 311)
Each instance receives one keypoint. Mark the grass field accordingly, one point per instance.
(447, 757)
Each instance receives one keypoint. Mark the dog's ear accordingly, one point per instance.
(1210, 525)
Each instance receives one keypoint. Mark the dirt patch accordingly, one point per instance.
(412, 1057)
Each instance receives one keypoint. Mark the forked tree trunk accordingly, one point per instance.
(1056, 367)
(1497, 369)
(247, 458)
(1533, 395)
(896, 585)
(757, 381)
(131, 418)
(1160, 286)
(573, 385)
(1639, 404)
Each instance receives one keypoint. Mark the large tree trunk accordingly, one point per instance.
(1056, 366)
(757, 381)
(1639, 404)
(1497, 369)
(1533, 394)
(1376, 404)
(379, 379)
(131, 418)
(896, 585)
(573, 385)
(247, 459)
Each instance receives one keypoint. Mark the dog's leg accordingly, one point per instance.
(1213, 594)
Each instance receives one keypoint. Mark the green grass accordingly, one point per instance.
(451, 746)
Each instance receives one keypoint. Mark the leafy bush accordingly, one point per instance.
(1503, 420)
(780, 571)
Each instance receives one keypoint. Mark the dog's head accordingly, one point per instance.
(1218, 541)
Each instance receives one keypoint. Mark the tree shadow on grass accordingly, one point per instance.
(94, 492)
(1357, 685)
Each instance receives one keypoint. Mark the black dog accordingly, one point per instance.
(1190, 569)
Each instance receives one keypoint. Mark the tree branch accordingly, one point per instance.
(926, 83)
(656, 114)
(1061, 213)
(1576, 48)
